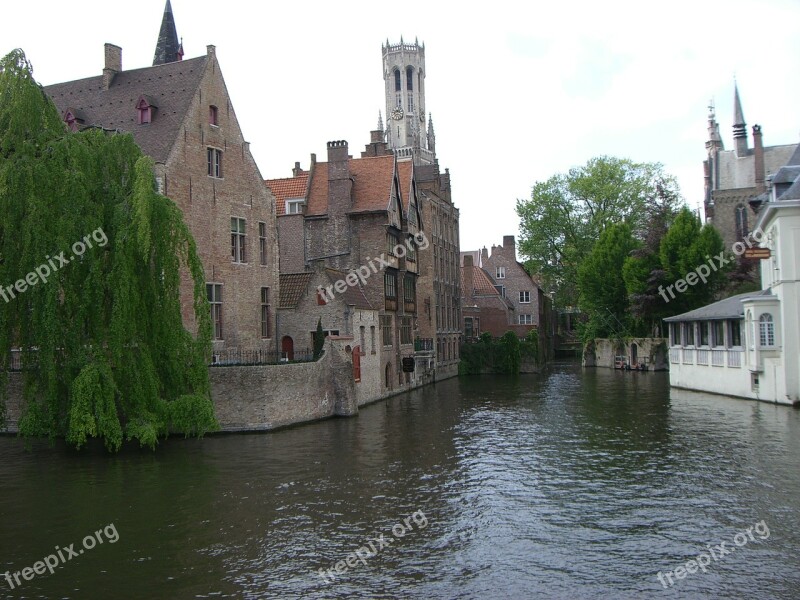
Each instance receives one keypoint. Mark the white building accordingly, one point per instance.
(749, 345)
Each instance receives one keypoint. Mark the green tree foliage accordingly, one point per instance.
(487, 355)
(104, 350)
(687, 245)
(566, 214)
(603, 295)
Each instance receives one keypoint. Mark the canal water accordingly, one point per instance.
(568, 484)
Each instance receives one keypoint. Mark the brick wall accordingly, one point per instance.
(516, 280)
(208, 203)
(291, 241)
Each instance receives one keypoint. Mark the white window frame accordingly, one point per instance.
(524, 294)
(500, 272)
(294, 206)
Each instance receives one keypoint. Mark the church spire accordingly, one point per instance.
(380, 121)
(168, 48)
(431, 135)
(739, 126)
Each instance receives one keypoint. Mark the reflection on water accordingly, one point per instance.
(568, 484)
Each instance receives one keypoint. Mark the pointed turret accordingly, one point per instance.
(431, 135)
(380, 121)
(739, 126)
(714, 141)
(168, 48)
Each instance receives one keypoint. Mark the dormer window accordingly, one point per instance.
(213, 115)
(294, 206)
(145, 107)
(73, 119)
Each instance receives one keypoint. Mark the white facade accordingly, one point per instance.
(749, 345)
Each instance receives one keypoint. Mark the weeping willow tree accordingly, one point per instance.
(103, 348)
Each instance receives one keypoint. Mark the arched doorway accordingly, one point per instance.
(287, 348)
(387, 376)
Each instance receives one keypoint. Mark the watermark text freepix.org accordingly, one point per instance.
(62, 555)
(45, 270)
(365, 271)
(363, 553)
(714, 263)
(703, 560)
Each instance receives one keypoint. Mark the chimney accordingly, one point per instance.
(340, 186)
(484, 255)
(211, 50)
(758, 151)
(113, 64)
(469, 287)
(297, 171)
(508, 242)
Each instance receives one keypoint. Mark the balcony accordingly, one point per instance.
(703, 357)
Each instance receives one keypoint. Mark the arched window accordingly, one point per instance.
(741, 222)
(766, 328)
(410, 88)
(144, 110)
(398, 88)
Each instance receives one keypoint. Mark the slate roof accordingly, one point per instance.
(289, 187)
(292, 288)
(172, 86)
(353, 296)
(372, 185)
(729, 308)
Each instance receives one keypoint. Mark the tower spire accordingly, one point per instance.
(739, 125)
(431, 135)
(168, 47)
(380, 121)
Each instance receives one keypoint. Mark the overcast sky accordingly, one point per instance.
(518, 91)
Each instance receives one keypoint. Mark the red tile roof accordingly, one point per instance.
(372, 185)
(293, 287)
(405, 171)
(481, 282)
(284, 189)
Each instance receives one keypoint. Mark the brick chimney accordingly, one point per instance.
(508, 242)
(758, 152)
(113, 64)
(297, 171)
(469, 286)
(340, 186)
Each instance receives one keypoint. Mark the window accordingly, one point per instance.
(703, 325)
(390, 285)
(409, 289)
(386, 329)
(294, 206)
(689, 333)
(734, 333)
(501, 289)
(262, 243)
(766, 329)
(410, 102)
(237, 240)
(215, 163)
(372, 339)
(500, 272)
(214, 293)
(391, 242)
(213, 115)
(409, 78)
(718, 333)
(741, 222)
(405, 330)
(398, 85)
(525, 319)
(411, 250)
(525, 297)
(265, 312)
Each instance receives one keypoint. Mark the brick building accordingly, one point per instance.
(485, 310)
(528, 306)
(734, 177)
(180, 114)
(357, 214)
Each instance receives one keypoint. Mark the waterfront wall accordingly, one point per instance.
(651, 352)
(266, 397)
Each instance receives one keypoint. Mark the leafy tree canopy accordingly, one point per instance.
(566, 214)
(103, 347)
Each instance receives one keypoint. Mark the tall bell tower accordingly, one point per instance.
(404, 78)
